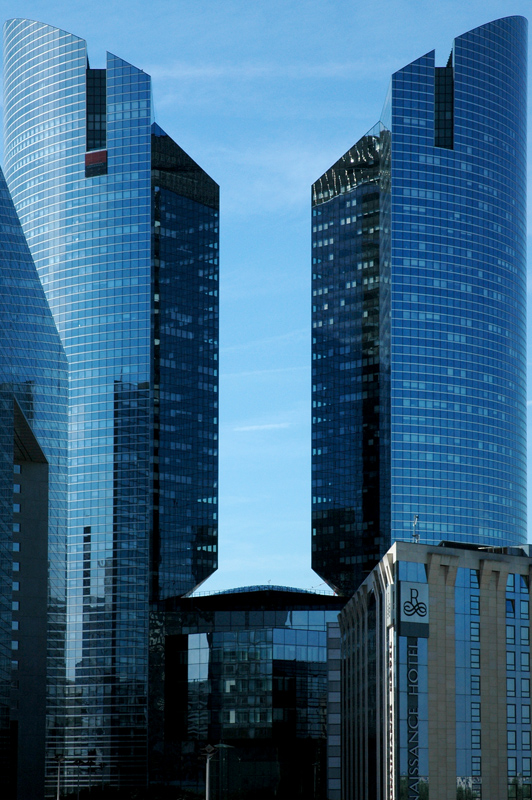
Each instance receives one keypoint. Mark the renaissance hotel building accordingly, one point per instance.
(123, 227)
(419, 314)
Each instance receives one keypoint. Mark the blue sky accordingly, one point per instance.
(266, 96)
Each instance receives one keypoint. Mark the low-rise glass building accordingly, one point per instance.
(243, 672)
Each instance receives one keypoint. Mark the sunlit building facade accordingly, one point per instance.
(123, 227)
(419, 314)
(436, 676)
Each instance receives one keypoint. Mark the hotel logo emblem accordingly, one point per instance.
(414, 609)
(414, 605)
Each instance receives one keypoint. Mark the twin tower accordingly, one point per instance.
(418, 346)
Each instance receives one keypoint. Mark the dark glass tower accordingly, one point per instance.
(33, 462)
(123, 228)
(419, 314)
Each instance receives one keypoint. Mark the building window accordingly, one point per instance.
(512, 766)
(510, 660)
(475, 712)
(16, 586)
(510, 687)
(16, 488)
(525, 636)
(475, 632)
(475, 739)
(526, 766)
(525, 662)
(510, 714)
(16, 508)
(16, 469)
(475, 765)
(14, 645)
(525, 715)
(475, 658)
(16, 566)
(475, 684)
(14, 625)
(15, 605)
(510, 634)
(525, 740)
(510, 607)
(525, 687)
(475, 605)
(15, 546)
(444, 107)
(525, 609)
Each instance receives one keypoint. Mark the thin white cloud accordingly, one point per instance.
(291, 336)
(246, 71)
(266, 427)
(247, 374)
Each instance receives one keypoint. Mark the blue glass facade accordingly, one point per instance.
(419, 314)
(33, 412)
(123, 228)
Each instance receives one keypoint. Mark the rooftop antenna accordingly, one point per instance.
(415, 534)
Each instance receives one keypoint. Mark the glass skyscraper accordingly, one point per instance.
(419, 314)
(123, 227)
(33, 502)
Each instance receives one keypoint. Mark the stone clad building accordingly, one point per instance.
(436, 676)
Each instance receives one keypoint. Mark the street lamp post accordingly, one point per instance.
(90, 764)
(59, 757)
(209, 752)
(78, 763)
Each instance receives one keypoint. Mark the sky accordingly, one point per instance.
(266, 96)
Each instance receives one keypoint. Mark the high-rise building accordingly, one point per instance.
(419, 314)
(33, 462)
(123, 228)
(436, 675)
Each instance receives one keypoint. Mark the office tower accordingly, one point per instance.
(419, 314)
(249, 675)
(123, 227)
(436, 675)
(33, 460)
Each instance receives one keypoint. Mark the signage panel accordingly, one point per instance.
(413, 609)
